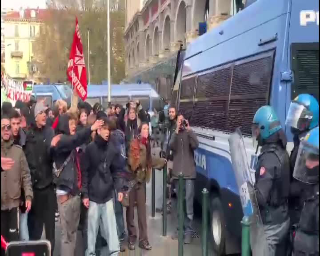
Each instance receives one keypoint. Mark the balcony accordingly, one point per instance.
(16, 54)
(19, 76)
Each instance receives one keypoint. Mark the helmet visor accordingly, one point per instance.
(255, 135)
(299, 117)
(307, 164)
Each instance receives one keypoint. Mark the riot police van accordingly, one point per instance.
(267, 54)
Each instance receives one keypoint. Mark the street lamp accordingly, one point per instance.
(109, 55)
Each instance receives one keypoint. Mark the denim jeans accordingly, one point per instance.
(103, 216)
(23, 224)
(189, 199)
(120, 222)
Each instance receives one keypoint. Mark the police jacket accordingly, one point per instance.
(299, 191)
(37, 150)
(307, 236)
(273, 180)
(99, 179)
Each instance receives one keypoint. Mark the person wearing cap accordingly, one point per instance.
(37, 150)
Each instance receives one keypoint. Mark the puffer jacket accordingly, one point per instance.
(14, 180)
(99, 173)
(37, 150)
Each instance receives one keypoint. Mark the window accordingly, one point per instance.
(16, 45)
(32, 45)
(17, 68)
(16, 30)
(305, 65)
(227, 97)
(32, 31)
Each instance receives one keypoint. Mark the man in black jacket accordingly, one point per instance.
(66, 151)
(99, 182)
(37, 150)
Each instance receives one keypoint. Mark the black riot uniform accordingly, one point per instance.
(299, 191)
(272, 191)
(306, 241)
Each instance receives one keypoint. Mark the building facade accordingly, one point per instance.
(20, 31)
(155, 29)
(4, 12)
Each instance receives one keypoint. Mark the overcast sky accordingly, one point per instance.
(16, 4)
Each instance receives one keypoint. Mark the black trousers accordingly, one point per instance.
(43, 213)
(9, 226)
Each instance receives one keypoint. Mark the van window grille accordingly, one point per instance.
(228, 98)
(187, 88)
(306, 69)
(214, 84)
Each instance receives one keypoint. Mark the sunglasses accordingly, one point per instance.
(6, 127)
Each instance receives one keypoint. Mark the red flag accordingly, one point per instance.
(77, 72)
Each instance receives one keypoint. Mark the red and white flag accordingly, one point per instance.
(77, 72)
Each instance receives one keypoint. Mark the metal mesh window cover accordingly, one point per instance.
(186, 109)
(209, 114)
(214, 84)
(187, 88)
(250, 91)
(306, 69)
(241, 113)
(252, 77)
(216, 109)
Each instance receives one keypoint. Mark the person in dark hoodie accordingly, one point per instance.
(19, 138)
(37, 150)
(67, 169)
(272, 185)
(99, 183)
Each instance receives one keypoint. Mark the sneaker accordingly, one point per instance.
(188, 238)
(131, 246)
(122, 247)
(144, 245)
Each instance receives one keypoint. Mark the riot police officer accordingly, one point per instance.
(303, 116)
(306, 170)
(272, 180)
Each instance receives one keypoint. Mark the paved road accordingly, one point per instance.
(162, 246)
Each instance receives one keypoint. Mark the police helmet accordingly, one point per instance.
(265, 123)
(307, 164)
(303, 113)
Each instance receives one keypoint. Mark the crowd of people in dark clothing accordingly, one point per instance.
(80, 167)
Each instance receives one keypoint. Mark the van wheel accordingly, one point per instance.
(218, 228)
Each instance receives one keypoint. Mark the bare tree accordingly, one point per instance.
(54, 41)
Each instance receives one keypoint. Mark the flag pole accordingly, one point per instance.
(109, 55)
(75, 97)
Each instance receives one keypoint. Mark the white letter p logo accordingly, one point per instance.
(307, 17)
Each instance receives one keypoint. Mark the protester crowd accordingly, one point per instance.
(82, 167)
